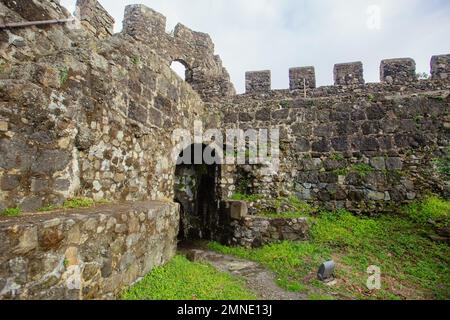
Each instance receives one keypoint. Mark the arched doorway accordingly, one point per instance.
(197, 190)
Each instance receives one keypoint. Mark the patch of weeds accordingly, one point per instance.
(337, 157)
(341, 172)
(136, 60)
(285, 104)
(371, 97)
(2, 65)
(66, 263)
(246, 197)
(75, 203)
(440, 98)
(11, 212)
(418, 119)
(362, 169)
(78, 203)
(181, 279)
(319, 297)
(430, 209)
(63, 75)
(422, 76)
(284, 215)
(443, 164)
(48, 208)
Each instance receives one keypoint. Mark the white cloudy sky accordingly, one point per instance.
(279, 34)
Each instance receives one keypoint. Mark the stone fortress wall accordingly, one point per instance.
(363, 147)
(88, 113)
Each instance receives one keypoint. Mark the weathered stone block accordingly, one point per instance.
(238, 210)
(138, 113)
(3, 126)
(394, 164)
(95, 18)
(346, 74)
(302, 78)
(378, 163)
(258, 81)
(9, 182)
(398, 71)
(440, 67)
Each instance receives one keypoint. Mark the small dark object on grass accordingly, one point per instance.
(326, 271)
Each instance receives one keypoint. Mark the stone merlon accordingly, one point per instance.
(398, 71)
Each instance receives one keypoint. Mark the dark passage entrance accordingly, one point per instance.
(196, 190)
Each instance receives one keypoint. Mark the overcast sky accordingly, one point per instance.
(279, 34)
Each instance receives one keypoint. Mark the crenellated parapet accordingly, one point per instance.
(393, 72)
(195, 50)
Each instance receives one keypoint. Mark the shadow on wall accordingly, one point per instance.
(197, 191)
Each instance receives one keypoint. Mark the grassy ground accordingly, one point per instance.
(181, 279)
(412, 265)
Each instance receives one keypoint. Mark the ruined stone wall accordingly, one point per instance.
(85, 254)
(86, 117)
(254, 231)
(195, 50)
(364, 147)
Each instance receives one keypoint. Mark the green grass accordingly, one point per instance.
(284, 215)
(2, 65)
(337, 157)
(136, 60)
(11, 212)
(362, 169)
(443, 164)
(49, 208)
(181, 279)
(318, 297)
(285, 104)
(75, 203)
(412, 265)
(341, 172)
(63, 75)
(78, 203)
(248, 198)
(432, 209)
